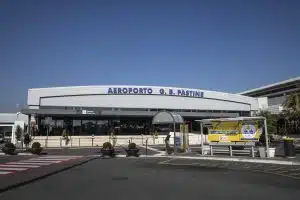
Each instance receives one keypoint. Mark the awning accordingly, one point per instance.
(165, 117)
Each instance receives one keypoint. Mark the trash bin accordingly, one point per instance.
(262, 152)
(289, 147)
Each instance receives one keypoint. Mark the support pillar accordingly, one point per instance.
(29, 125)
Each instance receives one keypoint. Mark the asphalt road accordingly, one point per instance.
(141, 179)
(91, 151)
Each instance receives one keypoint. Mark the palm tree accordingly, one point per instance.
(271, 121)
(292, 104)
(292, 111)
(18, 133)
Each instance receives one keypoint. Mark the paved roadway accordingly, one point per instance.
(146, 179)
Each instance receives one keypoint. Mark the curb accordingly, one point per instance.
(19, 154)
(13, 186)
(262, 161)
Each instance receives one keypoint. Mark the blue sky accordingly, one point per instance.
(223, 45)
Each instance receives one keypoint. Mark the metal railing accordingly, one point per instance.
(97, 141)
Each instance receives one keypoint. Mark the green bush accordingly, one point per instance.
(132, 146)
(18, 133)
(36, 148)
(36, 145)
(9, 148)
(107, 145)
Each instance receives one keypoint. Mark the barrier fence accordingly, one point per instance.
(90, 141)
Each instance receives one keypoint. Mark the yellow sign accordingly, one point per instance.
(184, 129)
(234, 131)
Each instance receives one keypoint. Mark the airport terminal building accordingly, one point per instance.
(127, 109)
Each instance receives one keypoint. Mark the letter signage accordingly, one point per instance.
(155, 91)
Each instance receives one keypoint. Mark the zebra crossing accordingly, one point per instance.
(33, 163)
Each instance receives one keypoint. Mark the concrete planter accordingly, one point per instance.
(108, 152)
(132, 152)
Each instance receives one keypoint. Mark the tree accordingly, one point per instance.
(292, 105)
(18, 133)
(271, 121)
(292, 112)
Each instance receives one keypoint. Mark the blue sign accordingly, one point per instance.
(155, 91)
(177, 141)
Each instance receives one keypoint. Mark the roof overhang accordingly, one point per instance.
(232, 119)
(289, 81)
(114, 113)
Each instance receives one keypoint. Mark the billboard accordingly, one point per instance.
(234, 131)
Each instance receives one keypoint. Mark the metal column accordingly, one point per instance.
(267, 138)
(201, 129)
(174, 129)
(29, 124)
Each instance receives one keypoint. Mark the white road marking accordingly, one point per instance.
(29, 163)
(40, 161)
(16, 165)
(60, 156)
(51, 159)
(22, 165)
(294, 174)
(275, 169)
(4, 172)
(166, 161)
(12, 169)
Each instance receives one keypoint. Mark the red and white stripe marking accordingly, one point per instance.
(22, 165)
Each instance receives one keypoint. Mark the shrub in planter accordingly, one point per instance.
(132, 150)
(107, 145)
(132, 146)
(36, 148)
(108, 150)
(27, 140)
(9, 148)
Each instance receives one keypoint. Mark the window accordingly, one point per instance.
(102, 127)
(88, 127)
(76, 127)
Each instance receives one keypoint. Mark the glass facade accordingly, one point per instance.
(99, 125)
(95, 127)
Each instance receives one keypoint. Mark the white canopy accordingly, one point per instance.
(232, 119)
(165, 117)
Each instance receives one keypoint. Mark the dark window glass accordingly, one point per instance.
(76, 127)
(102, 127)
(88, 127)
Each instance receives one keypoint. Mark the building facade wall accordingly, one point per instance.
(160, 97)
(128, 110)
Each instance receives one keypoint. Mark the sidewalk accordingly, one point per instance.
(196, 155)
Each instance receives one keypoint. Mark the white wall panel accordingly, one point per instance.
(143, 101)
(34, 96)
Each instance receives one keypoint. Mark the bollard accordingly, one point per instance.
(60, 142)
(46, 143)
(71, 142)
(79, 142)
(92, 141)
(230, 150)
(146, 146)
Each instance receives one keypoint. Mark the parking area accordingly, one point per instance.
(292, 171)
(150, 179)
